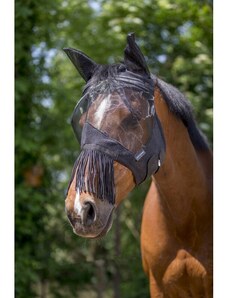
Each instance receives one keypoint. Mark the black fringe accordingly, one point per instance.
(95, 175)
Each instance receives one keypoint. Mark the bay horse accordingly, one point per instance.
(132, 125)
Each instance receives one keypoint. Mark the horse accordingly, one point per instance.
(133, 125)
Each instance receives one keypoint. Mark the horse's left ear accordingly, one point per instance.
(133, 57)
(82, 62)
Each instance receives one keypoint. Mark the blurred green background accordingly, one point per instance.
(176, 38)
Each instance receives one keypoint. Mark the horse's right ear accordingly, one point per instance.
(82, 62)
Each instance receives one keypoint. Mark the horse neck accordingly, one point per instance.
(183, 181)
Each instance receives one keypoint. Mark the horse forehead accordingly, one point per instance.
(105, 103)
(102, 108)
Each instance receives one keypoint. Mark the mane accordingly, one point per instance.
(182, 109)
(175, 100)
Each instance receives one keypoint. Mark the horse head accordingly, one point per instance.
(120, 135)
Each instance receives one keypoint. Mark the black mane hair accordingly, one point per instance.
(175, 100)
(182, 109)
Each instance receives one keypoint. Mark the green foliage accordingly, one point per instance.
(176, 37)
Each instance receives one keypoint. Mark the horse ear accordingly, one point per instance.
(82, 62)
(133, 57)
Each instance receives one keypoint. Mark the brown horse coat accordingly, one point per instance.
(176, 234)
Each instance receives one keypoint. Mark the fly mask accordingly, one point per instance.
(115, 120)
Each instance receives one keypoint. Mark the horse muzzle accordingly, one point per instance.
(90, 218)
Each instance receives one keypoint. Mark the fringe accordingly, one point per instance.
(95, 174)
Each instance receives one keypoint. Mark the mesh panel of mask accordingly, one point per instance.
(124, 114)
(79, 116)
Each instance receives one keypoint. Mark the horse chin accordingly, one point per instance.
(97, 230)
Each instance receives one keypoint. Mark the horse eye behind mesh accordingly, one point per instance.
(130, 122)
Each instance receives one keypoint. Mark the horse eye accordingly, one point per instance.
(130, 122)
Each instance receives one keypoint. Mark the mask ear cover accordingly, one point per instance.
(133, 57)
(85, 65)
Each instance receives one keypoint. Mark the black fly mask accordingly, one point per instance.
(115, 120)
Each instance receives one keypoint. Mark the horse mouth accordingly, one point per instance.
(97, 230)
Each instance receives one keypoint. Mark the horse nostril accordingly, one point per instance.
(88, 213)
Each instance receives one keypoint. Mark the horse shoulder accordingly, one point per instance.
(169, 267)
